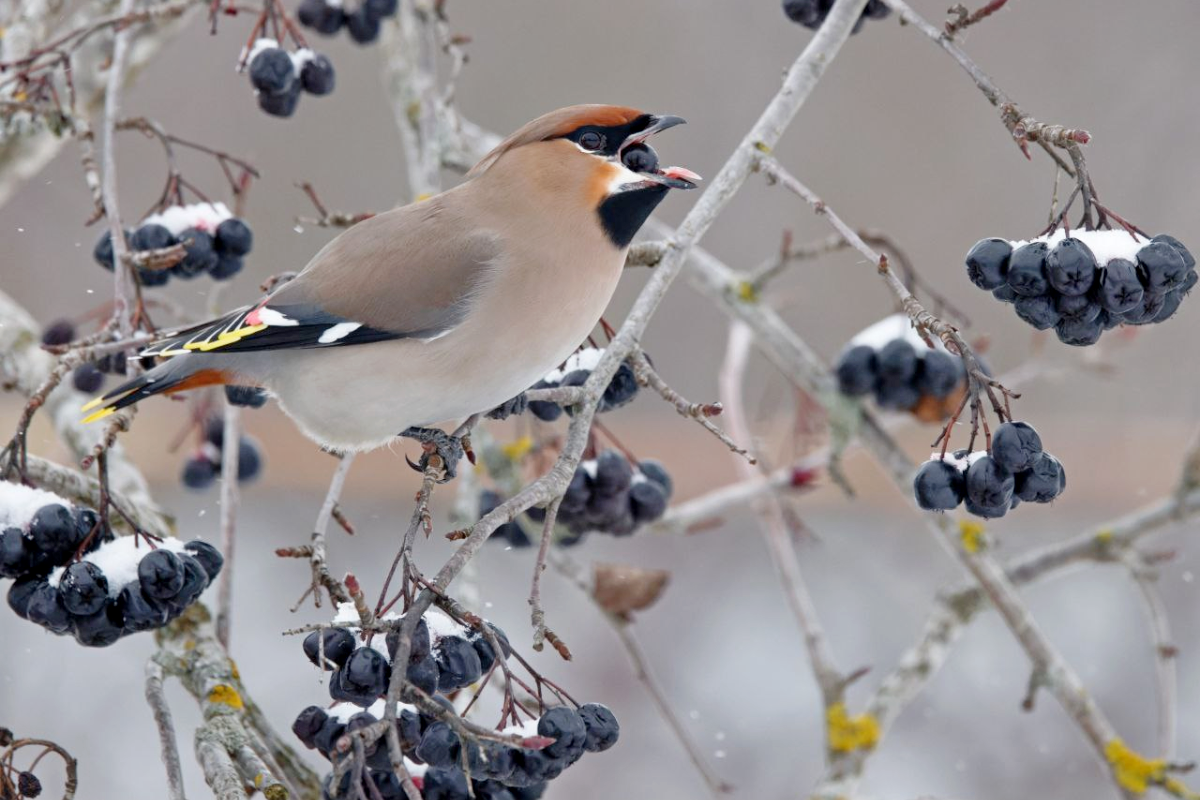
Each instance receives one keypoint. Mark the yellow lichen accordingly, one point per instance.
(1132, 770)
(233, 670)
(225, 694)
(847, 733)
(762, 147)
(747, 292)
(972, 535)
(1104, 537)
(422, 196)
(518, 449)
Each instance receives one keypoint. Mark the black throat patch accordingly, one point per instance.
(623, 214)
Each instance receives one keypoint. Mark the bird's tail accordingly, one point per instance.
(177, 375)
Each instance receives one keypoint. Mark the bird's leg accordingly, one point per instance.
(435, 441)
(517, 405)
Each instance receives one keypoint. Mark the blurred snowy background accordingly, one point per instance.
(896, 138)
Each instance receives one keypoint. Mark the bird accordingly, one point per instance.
(444, 308)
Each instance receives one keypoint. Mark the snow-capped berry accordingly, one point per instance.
(1039, 311)
(362, 26)
(381, 8)
(272, 71)
(161, 574)
(419, 643)
(338, 644)
(439, 746)
(613, 474)
(1027, 269)
(1016, 445)
(317, 75)
(233, 237)
(1077, 308)
(46, 608)
(566, 727)
(60, 331)
(989, 484)
(897, 396)
(199, 473)
(52, 537)
(1160, 267)
(897, 361)
(939, 486)
(647, 501)
(249, 460)
(227, 266)
(1042, 482)
(424, 675)
(458, 663)
(1081, 333)
(655, 471)
(1071, 267)
(857, 370)
(151, 236)
(308, 724)
(84, 588)
(246, 396)
(987, 263)
(620, 390)
(320, 16)
(602, 727)
(483, 647)
(939, 374)
(87, 378)
(199, 255)
(282, 104)
(28, 785)
(1118, 289)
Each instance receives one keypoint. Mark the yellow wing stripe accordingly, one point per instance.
(224, 338)
(101, 414)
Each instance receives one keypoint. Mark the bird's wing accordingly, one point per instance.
(409, 273)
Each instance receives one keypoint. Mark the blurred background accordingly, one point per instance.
(896, 138)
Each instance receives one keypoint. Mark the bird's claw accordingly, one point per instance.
(516, 405)
(435, 442)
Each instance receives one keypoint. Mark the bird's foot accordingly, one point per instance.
(517, 405)
(436, 442)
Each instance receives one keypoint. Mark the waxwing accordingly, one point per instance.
(446, 307)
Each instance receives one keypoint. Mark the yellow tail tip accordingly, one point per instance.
(101, 414)
(89, 405)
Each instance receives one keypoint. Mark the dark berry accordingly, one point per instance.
(161, 574)
(939, 374)
(100, 629)
(1042, 482)
(897, 396)
(1143, 314)
(381, 8)
(60, 331)
(1027, 269)
(14, 558)
(317, 76)
(1038, 311)
(46, 608)
(1076, 308)
(458, 663)
(543, 410)
(897, 362)
(320, 16)
(282, 104)
(365, 676)
(209, 557)
(602, 727)
(21, 593)
(566, 727)
(249, 460)
(440, 746)
(51, 538)
(1171, 303)
(84, 588)
(444, 784)
(987, 512)
(233, 237)
(338, 645)
(362, 26)
(613, 474)
(325, 740)
(1005, 294)
(1071, 267)
(199, 255)
(151, 237)
(575, 499)
(483, 648)
(987, 263)
(87, 378)
(139, 612)
(939, 486)
(28, 785)
(103, 251)
(1189, 260)
(620, 390)
(647, 501)
(195, 581)
(804, 12)
(1160, 267)
(308, 724)
(1016, 445)
(199, 473)
(655, 471)
(989, 484)
(876, 9)
(1118, 289)
(1079, 333)
(424, 675)
(857, 370)
(272, 71)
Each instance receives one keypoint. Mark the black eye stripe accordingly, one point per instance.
(613, 135)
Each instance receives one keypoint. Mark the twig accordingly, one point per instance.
(317, 552)
(230, 496)
(1165, 651)
(537, 614)
(965, 19)
(166, 730)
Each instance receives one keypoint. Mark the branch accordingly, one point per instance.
(166, 730)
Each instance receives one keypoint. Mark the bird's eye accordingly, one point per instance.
(640, 158)
(590, 140)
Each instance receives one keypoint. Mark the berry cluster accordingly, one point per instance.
(279, 76)
(991, 483)
(578, 368)
(214, 242)
(443, 658)
(201, 470)
(114, 588)
(1085, 283)
(327, 17)
(890, 362)
(89, 377)
(608, 494)
(811, 13)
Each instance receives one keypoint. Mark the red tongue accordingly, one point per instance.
(683, 173)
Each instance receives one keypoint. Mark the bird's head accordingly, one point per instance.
(599, 154)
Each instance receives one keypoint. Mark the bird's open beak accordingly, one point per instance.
(671, 177)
